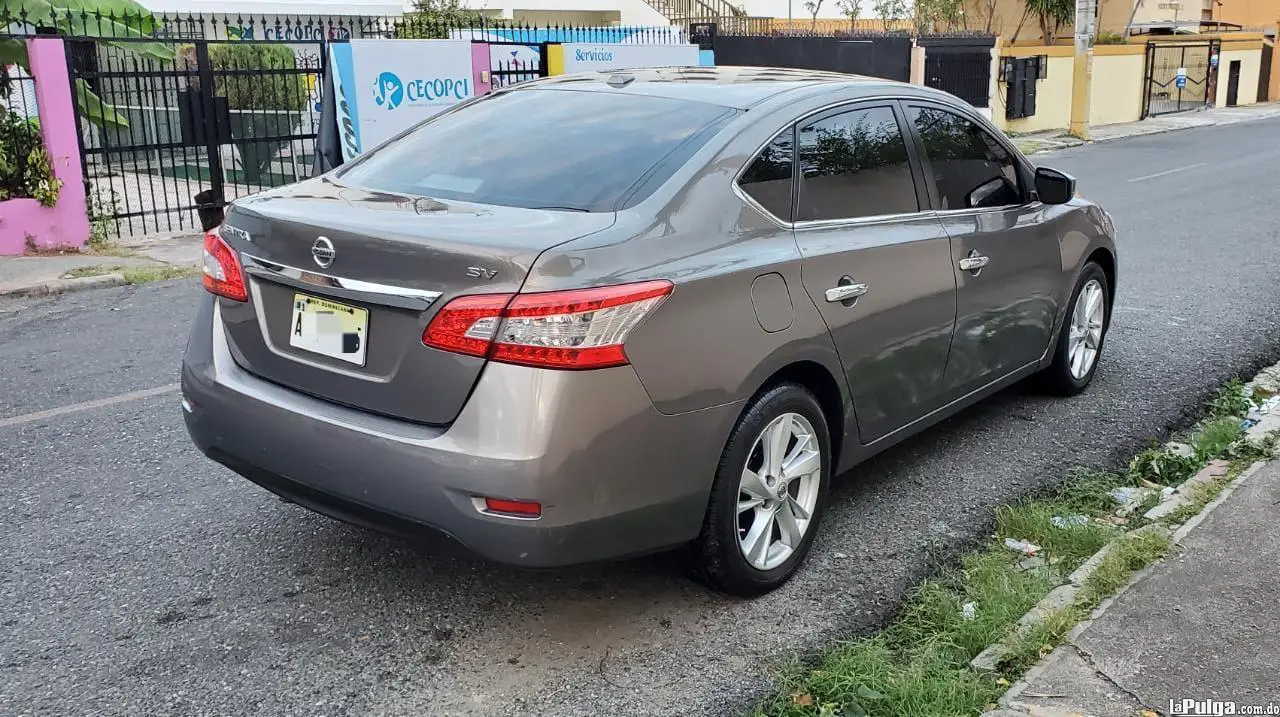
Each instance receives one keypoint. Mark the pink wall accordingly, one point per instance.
(480, 68)
(66, 224)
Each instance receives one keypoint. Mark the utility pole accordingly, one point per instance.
(1082, 67)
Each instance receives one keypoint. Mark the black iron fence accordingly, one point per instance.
(959, 64)
(886, 55)
(169, 128)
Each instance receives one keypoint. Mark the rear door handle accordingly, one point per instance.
(974, 262)
(844, 292)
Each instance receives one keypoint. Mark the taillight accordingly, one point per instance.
(222, 274)
(578, 329)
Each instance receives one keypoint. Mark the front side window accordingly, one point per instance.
(854, 164)
(970, 168)
(768, 178)
(538, 148)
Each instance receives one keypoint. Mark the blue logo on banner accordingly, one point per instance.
(388, 90)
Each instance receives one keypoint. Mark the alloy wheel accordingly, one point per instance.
(778, 491)
(1085, 337)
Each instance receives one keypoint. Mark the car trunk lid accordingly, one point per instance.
(319, 250)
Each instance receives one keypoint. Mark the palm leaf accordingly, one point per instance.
(95, 110)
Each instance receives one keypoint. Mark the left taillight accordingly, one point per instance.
(222, 273)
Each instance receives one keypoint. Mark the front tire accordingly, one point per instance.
(1083, 333)
(769, 492)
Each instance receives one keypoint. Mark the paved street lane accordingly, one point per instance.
(140, 579)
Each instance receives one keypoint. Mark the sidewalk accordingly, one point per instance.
(1202, 625)
(127, 261)
(1058, 139)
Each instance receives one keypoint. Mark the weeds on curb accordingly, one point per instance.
(144, 274)
(134, 274)
(918, 666)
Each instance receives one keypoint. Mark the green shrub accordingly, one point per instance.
(1109, 38)
(25, 168)
(256, 91)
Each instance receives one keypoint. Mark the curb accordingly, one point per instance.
(1161, 130)
(63, 286)
(1008, 704)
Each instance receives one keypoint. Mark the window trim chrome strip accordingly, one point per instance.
(258, 266)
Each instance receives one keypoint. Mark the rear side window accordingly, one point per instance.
(854, 164)
(768, 178)
(971, 169)
(584, 151)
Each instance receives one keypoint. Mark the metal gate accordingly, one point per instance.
(959, 65)
(1179, 76)
(512, 62)
(172, 130)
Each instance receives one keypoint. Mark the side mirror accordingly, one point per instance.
(1054, 187)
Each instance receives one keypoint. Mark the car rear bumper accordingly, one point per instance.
(614, 476)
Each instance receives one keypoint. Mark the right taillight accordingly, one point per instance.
(578, 329)
(222, 273)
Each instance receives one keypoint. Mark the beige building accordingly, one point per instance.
(1248, 14)
(1008, 19)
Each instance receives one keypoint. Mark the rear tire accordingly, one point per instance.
(771, 485)
(1083, 334)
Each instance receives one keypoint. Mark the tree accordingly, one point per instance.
(889, 11)
(850, 9)
(814, 7)
(432, 19)
(1051, 14)
(108, 19)
(934, 15)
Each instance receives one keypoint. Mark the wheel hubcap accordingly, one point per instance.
(1084, 339)
(778, 491)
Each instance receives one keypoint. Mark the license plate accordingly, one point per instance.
(329, 328)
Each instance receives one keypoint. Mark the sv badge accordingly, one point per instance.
(479, 272)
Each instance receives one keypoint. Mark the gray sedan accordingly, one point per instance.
(600, 315)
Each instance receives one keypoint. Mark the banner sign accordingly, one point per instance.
(587, 57)
(382, 87)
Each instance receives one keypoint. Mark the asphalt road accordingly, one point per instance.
(141, 579)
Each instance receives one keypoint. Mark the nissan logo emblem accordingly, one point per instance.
(322, 251)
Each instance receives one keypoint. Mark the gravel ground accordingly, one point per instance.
(143, 580)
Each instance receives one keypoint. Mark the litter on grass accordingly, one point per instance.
(1070, 521)
(1021, 546)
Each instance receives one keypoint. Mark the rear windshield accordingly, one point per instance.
(585, 151)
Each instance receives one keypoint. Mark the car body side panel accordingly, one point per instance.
(1085, 229)
(1007, 311)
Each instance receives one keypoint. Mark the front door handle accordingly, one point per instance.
(845, 292)
(974, 262)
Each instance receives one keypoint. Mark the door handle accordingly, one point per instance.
(974, 262)
(845, 292)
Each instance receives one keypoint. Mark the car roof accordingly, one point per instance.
(737, 87)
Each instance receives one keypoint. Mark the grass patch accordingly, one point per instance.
(1032, 520)
(144, 274)
(1130, 554)
(1230, 401)
(81, 272)
(918, 666)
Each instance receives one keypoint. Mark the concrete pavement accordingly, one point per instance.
(1058, 139)
(1199, 626)
(60, 272)
(143, 580)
